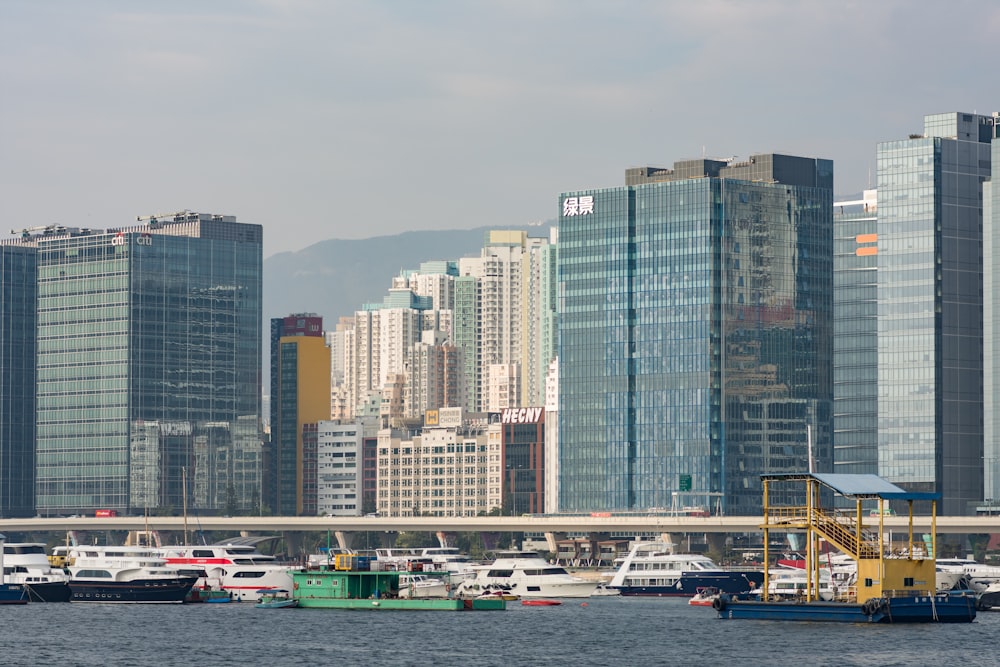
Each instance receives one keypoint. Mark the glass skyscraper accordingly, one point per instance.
(17, 381)
(149, 357)
(695, 324)
(855, 341)
(930, 308)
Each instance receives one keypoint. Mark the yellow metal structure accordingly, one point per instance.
(881, 573)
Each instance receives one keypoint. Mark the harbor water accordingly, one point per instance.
(597, 631)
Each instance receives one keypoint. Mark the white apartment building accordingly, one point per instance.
(445, 471)
(338, 468)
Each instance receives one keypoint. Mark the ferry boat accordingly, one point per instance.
(122, 574)
(653, 569)
(528, 575)
(888, 589)
(26, 564)
(239, 570)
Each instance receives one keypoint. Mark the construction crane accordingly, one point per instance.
(27, 231)
(156, 217)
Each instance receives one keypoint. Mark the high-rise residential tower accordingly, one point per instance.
(149, 357)
(300, 395)
(17, 380)
(695, 326)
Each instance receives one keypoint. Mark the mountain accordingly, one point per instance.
(334, 278)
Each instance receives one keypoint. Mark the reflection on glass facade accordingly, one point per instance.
(17, 380)
(149, 367)
(930, 346)
(695, 314)
(855, 340)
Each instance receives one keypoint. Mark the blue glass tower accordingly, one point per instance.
(17, 380)
(930, 308)
(149, 357)
(695, 323)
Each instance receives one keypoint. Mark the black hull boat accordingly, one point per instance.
(51, 591)
(150, 590)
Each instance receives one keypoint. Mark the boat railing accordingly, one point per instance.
(905, 593)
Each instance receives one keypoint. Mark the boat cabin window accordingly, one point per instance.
(94, 574)
(500, 573)
(248, 575)
(24, 549)
(203, 553)
(545, 570)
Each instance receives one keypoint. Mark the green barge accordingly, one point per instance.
(354, 589)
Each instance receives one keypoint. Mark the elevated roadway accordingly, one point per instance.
(541, 524)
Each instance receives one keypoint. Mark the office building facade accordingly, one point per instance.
(930, 308)
(695, 325)
(855, 340)
(18, 301)
(149, 356)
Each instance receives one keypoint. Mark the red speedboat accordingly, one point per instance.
(540, 603)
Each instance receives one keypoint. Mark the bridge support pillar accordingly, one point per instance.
(293, 544)
(445, 538)
(343, 539)
(552, 540)
(716, 543)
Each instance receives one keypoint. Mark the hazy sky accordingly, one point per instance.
(327, 119)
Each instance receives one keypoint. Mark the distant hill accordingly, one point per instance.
(334, 278)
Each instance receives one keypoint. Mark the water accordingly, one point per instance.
(600, 631)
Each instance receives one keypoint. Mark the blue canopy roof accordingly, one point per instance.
(858, 486)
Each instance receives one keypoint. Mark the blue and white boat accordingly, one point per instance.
(10, 593)
(653, 569)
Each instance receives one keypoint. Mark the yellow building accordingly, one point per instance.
(302, 396)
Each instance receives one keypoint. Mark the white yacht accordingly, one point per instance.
(449, 559)
(26, 563)
(238, 569)
(413, 585)
(791, 583)
(122, 574)
(526, 574)
(653, 569)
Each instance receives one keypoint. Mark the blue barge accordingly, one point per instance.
(889, 587)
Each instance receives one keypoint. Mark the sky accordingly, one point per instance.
(328, 119)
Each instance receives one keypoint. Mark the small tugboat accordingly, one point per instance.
(348, 587)
(888, 589)
(275, 598)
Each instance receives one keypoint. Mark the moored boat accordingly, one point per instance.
(528, 575)
(239, 570)
(705, 596)
(26, 564)
(10, 593)
(122, 574)
(888, 589)
(654, 569)
(354, 589)
(537, 602)
(275, 598)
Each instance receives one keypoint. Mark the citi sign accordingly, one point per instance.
(521, 415)
(142, 239)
